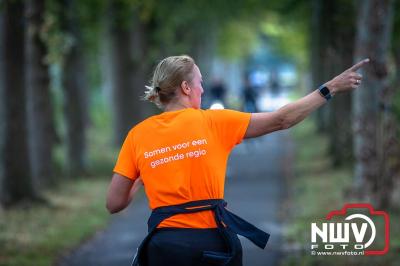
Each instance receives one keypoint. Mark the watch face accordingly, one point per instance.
(325, 91)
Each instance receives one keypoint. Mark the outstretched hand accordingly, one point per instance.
(348, 80)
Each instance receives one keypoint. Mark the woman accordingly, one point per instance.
(180, 156)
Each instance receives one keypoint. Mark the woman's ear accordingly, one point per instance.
(185, 87)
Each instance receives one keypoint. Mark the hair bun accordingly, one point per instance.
(170, 72)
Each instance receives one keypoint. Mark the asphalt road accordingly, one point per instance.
(254, 190)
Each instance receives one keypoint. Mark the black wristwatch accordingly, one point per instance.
(325, 92)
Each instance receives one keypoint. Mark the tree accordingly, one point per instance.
(340, 57)
(131, 57)
(374, 23)
(16, 184)
(40, 109)
(125, 110)
(74, 88)
(389, 129)
(320, 38)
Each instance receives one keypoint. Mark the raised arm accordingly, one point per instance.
(293, 113)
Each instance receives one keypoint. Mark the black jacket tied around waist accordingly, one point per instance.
(225, 220)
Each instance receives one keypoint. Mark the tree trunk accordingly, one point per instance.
(40, 109)
(372, 41)
(322, 26)
(75, 92)
(16, 183)
(121, 84)
(390, 132)
(339, 133)
(130, 70)
(144, 57)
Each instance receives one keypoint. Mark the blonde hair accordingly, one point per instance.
(168, 76)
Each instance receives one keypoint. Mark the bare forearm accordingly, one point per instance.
(297, 111)
(285, 117)
(121, 191)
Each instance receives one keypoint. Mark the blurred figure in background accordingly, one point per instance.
(218, 92)
(249, 96)
(274, 84)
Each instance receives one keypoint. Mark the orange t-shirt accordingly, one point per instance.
(181, 156)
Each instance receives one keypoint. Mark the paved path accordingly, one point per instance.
(254, 190)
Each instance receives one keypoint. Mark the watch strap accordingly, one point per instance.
(325, 92)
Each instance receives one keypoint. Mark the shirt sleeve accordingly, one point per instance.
(126, 163)
(229, 126)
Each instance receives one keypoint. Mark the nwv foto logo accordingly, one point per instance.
(351, 234)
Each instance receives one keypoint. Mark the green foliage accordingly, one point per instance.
(237, 40)
(287, 37)
(58, 42)
(121, 12)
(178, 27)
(184, 24)
(88, 19)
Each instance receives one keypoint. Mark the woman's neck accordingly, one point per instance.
(175, 106)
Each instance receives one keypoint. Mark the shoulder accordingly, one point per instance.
(225, 113)
(141, 126)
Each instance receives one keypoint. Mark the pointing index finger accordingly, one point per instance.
(359, 65)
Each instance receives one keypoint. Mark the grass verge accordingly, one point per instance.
(36, 235)
(316, 189)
